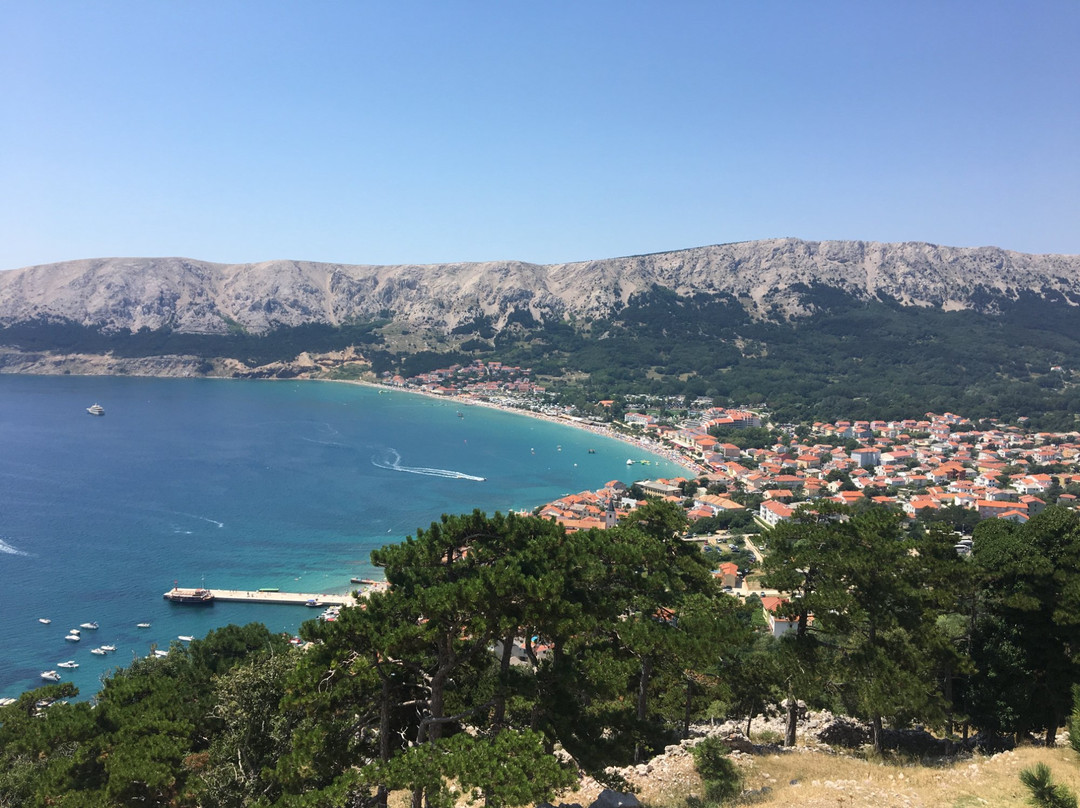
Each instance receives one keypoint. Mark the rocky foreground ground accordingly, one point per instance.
(816, 774)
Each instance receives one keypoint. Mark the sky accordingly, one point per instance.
(429, 132)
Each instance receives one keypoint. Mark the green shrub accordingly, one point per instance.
(721, 778)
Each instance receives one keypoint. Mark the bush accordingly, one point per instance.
(720, 777)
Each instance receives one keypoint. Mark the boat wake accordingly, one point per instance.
(326, 442)
(201, 518)
(7, 548)
(391, 461)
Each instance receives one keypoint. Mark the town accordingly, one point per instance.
(941, 467)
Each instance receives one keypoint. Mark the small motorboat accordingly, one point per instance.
(98, 651)
(108, 648)
(71, 663)
(91, 626)
(142, 625)
(50, 676)
(44, 621)
(159, 653)
(185, 638)
(73, 638)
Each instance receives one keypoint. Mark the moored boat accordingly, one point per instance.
(185, 638)
(44, 620)
(142, 625)
(92, 625)
(98, 651)
(50, 676)
(73, 638)
(196, 597)
(108, 648)
(71, 663)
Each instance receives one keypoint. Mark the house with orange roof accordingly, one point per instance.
(1014, 515)
(848, 497)
(990, 509)
(773, 513)
(727, 573)
(716, 503)
(778, 624)
(1033, 506)
(780, 494)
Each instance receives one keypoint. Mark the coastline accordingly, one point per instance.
(465, 400)
(43, 364)
(641, 444)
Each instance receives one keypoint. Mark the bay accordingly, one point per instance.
(237, 484)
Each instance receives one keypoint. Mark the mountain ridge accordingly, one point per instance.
(770, 278)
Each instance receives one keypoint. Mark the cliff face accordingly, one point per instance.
(769, 277)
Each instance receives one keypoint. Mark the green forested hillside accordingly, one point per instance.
(850, 359)
(503, 639)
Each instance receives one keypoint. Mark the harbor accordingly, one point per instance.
(316, 599)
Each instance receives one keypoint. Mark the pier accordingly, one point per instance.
(284, 598)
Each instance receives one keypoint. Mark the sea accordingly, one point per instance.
(238, 485)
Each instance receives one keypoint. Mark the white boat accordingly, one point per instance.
(44, 621)
(71, 663)
(159, 653)
(96, 409)
(92, 626)
(108, 647)
(629, 462)
(73, 638)
(50, 676)
(142, 625)
(185, 638)
(98, 651)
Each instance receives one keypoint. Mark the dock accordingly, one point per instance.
(283, 598)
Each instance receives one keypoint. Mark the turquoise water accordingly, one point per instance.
(236, 485)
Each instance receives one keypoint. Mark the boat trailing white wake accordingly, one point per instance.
(7, 548)
(391, 461)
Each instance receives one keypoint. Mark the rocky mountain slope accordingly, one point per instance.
(770, 278)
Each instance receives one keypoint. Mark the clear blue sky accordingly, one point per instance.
(422, 132)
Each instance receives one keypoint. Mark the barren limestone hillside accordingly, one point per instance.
(770, 278)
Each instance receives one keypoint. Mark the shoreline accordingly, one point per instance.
(597, 429)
